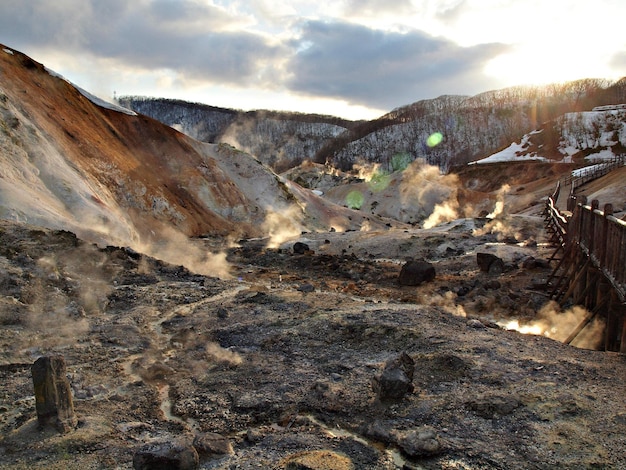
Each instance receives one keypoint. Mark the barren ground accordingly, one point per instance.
(279, 360)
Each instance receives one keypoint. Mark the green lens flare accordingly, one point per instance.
(354, 199)
(378, 182)
(400, 161)
(434, 139)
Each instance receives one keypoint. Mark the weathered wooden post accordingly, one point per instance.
(53, 396)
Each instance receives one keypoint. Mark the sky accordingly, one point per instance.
(356, 59)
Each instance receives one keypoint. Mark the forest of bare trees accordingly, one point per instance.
(470, 127)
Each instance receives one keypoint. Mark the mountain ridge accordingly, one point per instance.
(116, 178)
(460, 121)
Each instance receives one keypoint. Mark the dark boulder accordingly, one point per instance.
(170, 455)
(489, 263)
(300, 248)
(416, 272)
(396, 380)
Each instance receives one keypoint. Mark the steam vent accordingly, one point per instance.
(53, 397)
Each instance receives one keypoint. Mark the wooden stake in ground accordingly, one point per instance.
(53, 397)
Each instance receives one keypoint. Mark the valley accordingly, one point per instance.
(215, 314)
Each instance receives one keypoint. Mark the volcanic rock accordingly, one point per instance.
(396, 381)
(171, 455)
(53, 395)
(489, 263)
(489, 406)
(416, 272)
(421, 442)
(300, 248)
(212, 443)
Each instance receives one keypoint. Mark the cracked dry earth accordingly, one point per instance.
(277, 363)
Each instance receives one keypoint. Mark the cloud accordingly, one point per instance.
(197, 40)
(383, 69)
(378, 8)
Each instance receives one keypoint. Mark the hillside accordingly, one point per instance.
(447, 131)
(278, 139)
(118, 178)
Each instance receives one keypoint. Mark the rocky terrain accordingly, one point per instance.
(280, 365)
(212, 314)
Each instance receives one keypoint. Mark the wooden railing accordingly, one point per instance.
(589, 173)
(602, 237)
(592, 269)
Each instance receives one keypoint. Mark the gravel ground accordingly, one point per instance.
(277, 364)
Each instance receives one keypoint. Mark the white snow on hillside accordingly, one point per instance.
(592, 130)
(93, 98)
(514, 152)
(595, 132)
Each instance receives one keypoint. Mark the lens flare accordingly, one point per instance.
(354, 199)
(400, 161)
(434, 139)
(379, 181)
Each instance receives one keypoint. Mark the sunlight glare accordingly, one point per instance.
(530, 329)
(548, 63)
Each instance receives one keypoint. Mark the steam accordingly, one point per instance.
(177, 248)
(442, 213)
(498, 210)
(218, 354)
(423, 186)
(558, 325)
(447, 302)
(70, 287)
(282, 226)
(499, 223)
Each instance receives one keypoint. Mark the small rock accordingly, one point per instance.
(318, 460)
(378, 432)
(463, 291)
(211, 443)
(422, 442)
(474, 323)
(491, 406)
(490, 263)
(254, 435)
(493, 284)
(300, 248)
(533, 263)
(306, 288)
(396, 381)
(171, 455)
(416, 272)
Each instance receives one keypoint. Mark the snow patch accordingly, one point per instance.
(514, 152)
(93, 98)
(8, 51)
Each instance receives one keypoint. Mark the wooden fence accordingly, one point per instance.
(589, 173)
(591, 270)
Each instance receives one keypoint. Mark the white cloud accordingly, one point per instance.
(350, 54)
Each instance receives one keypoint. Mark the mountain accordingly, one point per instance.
(453, 130)
(446, 131)
(279, 139)
(70, 161)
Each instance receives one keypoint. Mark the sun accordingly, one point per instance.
(540, 64)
